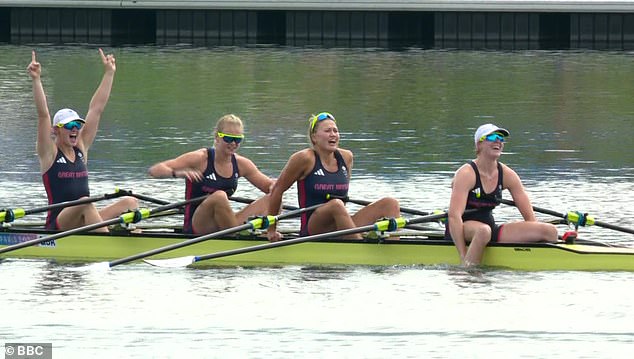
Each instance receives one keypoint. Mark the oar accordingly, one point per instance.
(149, 199)
(129, 217)
(382, 225)
(574, 217)
(249, 200)
(257, 223)
(9, 215)
(365, 203)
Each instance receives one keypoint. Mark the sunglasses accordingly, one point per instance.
(492, 137)
(72, 124)
(320, 117)
(231, 138)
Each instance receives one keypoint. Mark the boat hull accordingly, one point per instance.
(330, 252)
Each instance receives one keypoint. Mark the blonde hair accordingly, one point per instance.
(313, 123)
(226, 120)
(311, 130)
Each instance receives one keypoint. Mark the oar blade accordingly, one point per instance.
(172, 262)
(99, 266)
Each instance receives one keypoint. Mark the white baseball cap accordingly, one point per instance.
(488, 129)
(65, 116)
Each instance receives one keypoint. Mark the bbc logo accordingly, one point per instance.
(28, 351)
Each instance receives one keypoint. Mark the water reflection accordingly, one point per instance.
(59, 280)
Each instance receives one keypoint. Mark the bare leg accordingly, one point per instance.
(79, 216)
(385, 207)
(214, 214)
(117, 208)
(522, 232)
(332, 216)
(478, 235)
(258, 207)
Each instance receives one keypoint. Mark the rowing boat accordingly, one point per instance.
(427, 250)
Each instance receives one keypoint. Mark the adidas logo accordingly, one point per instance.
(61, 160)
(211, 177)
(319, 172)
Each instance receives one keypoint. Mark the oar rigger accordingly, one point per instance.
(579, 219)
(385, 225)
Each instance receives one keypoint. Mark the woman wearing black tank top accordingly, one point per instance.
(475, 185)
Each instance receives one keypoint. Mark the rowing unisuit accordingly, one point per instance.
(315, 187)
(211, 183)
(486, 202)
(65, 181)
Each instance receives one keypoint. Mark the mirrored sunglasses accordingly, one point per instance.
(492, 137)
(228, 138)
(320, 117)
(72, 124)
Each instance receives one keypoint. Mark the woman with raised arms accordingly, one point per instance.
(62, 149)
(324, 169)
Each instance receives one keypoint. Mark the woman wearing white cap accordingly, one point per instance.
(63, 153)
(477, 185)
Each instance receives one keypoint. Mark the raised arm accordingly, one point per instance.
(513, 183)
(45, 146)
(98, 101)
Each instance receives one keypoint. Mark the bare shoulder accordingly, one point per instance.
(306, 154)
(464, 176)
(507, 170)
(199, 154)
(300, 163)
(465, 170)
(510, 177)
(192, 159)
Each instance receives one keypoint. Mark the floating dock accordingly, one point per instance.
(448, 24)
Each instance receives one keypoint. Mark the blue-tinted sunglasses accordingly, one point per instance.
(320, 117)
(492, 137)
(231, 138)
(72, 124)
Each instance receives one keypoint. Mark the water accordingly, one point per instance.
(409, 118)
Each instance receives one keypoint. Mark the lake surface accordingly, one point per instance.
(409, 117)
